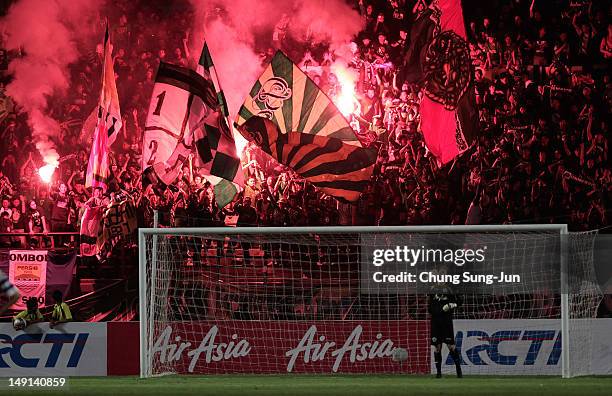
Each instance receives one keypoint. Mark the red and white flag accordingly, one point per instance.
(108, 125)
(438, 58)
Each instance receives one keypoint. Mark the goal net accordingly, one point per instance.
(355, 300)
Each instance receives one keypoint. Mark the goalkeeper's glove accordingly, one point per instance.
(449, 306)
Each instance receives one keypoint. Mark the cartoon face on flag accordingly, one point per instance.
(293, 121)
(272, 94)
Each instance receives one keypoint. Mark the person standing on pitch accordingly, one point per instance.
(442, 305)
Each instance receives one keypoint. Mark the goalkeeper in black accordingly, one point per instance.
(442, 304)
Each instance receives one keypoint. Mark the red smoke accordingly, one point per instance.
(232, 28)
(46, 31)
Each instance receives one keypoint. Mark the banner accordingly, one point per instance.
(508, 347)
(292, 347)
(28, 272)
(70, 349)
(60, 272)
(511, 347)
(118, 223)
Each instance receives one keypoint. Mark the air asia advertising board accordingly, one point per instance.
(296, 347)
(487, 347)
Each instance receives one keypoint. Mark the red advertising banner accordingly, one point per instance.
(286, 347)
(123, 348)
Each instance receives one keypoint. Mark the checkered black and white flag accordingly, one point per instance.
(215, 141)
(188, 111)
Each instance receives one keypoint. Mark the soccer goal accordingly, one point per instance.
(355, 299)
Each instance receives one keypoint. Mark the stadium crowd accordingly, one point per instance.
(542, 87)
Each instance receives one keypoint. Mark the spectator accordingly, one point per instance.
(247, 216)
(5, 228)
(542, 155)
(31, 314)
(61, 311)
(37, 223)
(62, 205)
(18, 219)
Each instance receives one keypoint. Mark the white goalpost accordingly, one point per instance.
(311, 300)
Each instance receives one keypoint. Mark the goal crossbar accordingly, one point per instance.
(562, 228)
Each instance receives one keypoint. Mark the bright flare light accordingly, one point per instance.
(346, 100)
(241, 143)
(46, 172)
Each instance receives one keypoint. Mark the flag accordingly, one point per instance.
(88, 128)
(107, 224)
(108, 124)
(119, 222)
(293, 121)
(185, 114)
(180, 102)
(206, 68)
(422, 30)
(224, 190)
(215, 142)
(97, 168)
(109, 110)
(438, 58)
(91, 223)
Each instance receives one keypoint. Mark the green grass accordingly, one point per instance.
(270, 385)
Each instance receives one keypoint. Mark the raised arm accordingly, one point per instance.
(25, 164)
(186, 46)
(190, 168)
(575, 24)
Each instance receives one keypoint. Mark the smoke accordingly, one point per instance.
(238, 67)
(47, 33)
(234, 30)
(324, 20)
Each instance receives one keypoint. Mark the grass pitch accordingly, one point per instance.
(351, 385)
